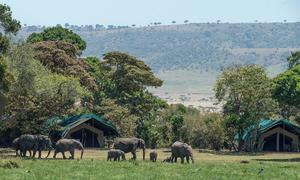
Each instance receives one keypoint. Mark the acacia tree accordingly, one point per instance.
(59, 33)
(246, 94)
(129, 77)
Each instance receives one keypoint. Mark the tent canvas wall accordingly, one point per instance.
(89, 129)
(273, 135)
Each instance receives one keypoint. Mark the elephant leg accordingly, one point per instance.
(118, 158)
(63, 153)
(182, 159)
(72, 153)
(133, 155)
(172, 159)
(40, 154)
(188, 159)
(176, 159)
(34, 152)
(30, 153)
(115, 158)
(55, 152)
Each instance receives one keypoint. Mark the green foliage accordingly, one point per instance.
(9, 24)
(130, 77)
(246, 93)
(37, 93)
(286, 91)
(4, 44)
(204, 130)
(60, 58)
(59, 33)
(5, 77)
(294, 59)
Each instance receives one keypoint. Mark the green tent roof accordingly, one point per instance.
(267, 124)
(72, 121)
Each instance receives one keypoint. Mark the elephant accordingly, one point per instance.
(44, 142)
(33, 143)
(182, 150)
(168, 159)
(70, 145)
(15, 145)
(130, 145)
(115, 154)
(153, 156)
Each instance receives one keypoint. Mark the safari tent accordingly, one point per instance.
(273, 135)
(89, 129)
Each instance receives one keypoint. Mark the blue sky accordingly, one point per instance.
(142, 12)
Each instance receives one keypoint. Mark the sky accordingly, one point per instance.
(143, 12)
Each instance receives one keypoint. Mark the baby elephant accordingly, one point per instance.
(70, 145)
(153, 156)
(168, 160)
(115, 154)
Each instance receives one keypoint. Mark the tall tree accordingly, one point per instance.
(59, 33)
(130, 77)
(246, 94)
(9, 25)
(286, 90)
(37, 93)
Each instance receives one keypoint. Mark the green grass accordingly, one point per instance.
(208, 165)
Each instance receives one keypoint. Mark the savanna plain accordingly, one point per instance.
(208, 165)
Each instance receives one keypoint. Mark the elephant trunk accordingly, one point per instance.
(192, 158)
(144, 153)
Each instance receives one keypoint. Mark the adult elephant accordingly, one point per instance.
(130, 145)
(70, 145)
(181, 150)
(33, 143)
(43, 143)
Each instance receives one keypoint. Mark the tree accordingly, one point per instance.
(294, 59)
(173, 22)
(9, 25)
(286, 91)
(186, 21)
(60, 57)
(246, 94)
(37, 93)
(59, 33)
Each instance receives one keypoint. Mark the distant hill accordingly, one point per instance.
(203, 47)
(188, 57)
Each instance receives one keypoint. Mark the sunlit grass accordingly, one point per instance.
(208, 165)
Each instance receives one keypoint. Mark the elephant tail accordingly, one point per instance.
(81, 153)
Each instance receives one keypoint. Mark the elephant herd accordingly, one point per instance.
(37, 143)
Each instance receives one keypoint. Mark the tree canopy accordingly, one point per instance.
(246, 94)
(59, 33)
(294, 59)
(9, 25)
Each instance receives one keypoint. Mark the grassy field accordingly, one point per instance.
(208, 165)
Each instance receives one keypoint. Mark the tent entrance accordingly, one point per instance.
(285, 143)
(86, 137)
